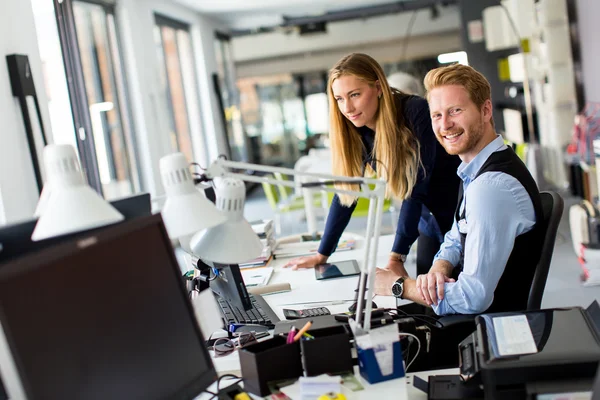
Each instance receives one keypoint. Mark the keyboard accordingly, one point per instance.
(260, 313)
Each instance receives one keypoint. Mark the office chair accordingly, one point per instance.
(552, 208)
(284, 206)
(287, 194)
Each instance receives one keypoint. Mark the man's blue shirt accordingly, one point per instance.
(499, 210)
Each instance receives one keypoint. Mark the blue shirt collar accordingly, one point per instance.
(469, 170)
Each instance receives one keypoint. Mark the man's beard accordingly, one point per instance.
(472, 134)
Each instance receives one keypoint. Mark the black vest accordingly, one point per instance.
(512, 291)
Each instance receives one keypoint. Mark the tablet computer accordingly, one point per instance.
(338, 269)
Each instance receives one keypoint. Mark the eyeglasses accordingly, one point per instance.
(225, 346)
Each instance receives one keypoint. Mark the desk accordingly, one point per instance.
(397, 389)
(306, 288)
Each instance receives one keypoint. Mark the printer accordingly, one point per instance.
(532, 354)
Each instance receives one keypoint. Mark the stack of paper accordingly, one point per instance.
(300, 249)
(264, 229)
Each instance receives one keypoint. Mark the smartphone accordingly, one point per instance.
(339, 269)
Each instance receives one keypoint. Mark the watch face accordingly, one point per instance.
(398, 288)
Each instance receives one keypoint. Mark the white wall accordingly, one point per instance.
(136, 22)
(18, 189)
(343, 34)
(588, 12)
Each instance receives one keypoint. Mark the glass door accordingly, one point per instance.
(113, 138)
(228, 93)
(95, 80)
(178, 83)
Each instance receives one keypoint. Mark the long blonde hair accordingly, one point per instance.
(396, 147)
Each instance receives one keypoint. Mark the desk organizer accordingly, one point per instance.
(328, 352)
(267, 361)
(380, 354)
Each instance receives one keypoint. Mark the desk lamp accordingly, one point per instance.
(68, 204)
(186, 210)
(222, 168)
(234, 241)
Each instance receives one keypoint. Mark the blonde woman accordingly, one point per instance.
(378, 130)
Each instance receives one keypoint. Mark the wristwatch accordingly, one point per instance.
(398, 257)
(398, 287)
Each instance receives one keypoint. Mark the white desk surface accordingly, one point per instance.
(306, 288)
(396, 389)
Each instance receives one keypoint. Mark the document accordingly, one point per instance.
(257, 276)
(513, 336)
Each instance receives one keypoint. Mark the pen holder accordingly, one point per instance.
(268, 361)
(380, 355)
(328, 352)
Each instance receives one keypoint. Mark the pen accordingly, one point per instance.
(290, 336)
(308, 335)
(301, 331)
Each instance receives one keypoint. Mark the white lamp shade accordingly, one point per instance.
(186, 210)
(71, 206)
(234, 241)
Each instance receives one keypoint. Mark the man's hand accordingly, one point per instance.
(431, 287)
(384, 279)
(306, 262)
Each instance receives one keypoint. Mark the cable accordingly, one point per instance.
(422, 317)
(407, 35)
(213, 394)
(418, 348)
(198, 165)
(227, 376)
(526, 87)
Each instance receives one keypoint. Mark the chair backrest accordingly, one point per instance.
(362, 204)
(271, 194)
(285, 192)
(552, 205)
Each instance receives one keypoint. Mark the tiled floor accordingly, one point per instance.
(563, 287)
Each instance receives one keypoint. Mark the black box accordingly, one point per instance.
(271, 360)
(328, 352)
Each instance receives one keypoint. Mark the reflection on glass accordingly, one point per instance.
(180, 136)
(53, 70)
(273, 116)
(230, 100)
(186, 56)
(177, 82)
(105, 94)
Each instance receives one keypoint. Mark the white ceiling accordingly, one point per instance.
(249, 14)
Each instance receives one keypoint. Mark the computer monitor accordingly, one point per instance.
(134, 206)
(228, 283)
(15, 240)
(102, 316)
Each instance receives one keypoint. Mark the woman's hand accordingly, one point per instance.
(306, 262)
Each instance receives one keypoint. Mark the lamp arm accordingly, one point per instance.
(222, 168)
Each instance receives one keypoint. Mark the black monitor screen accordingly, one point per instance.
(104, 317)
(15, 240)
